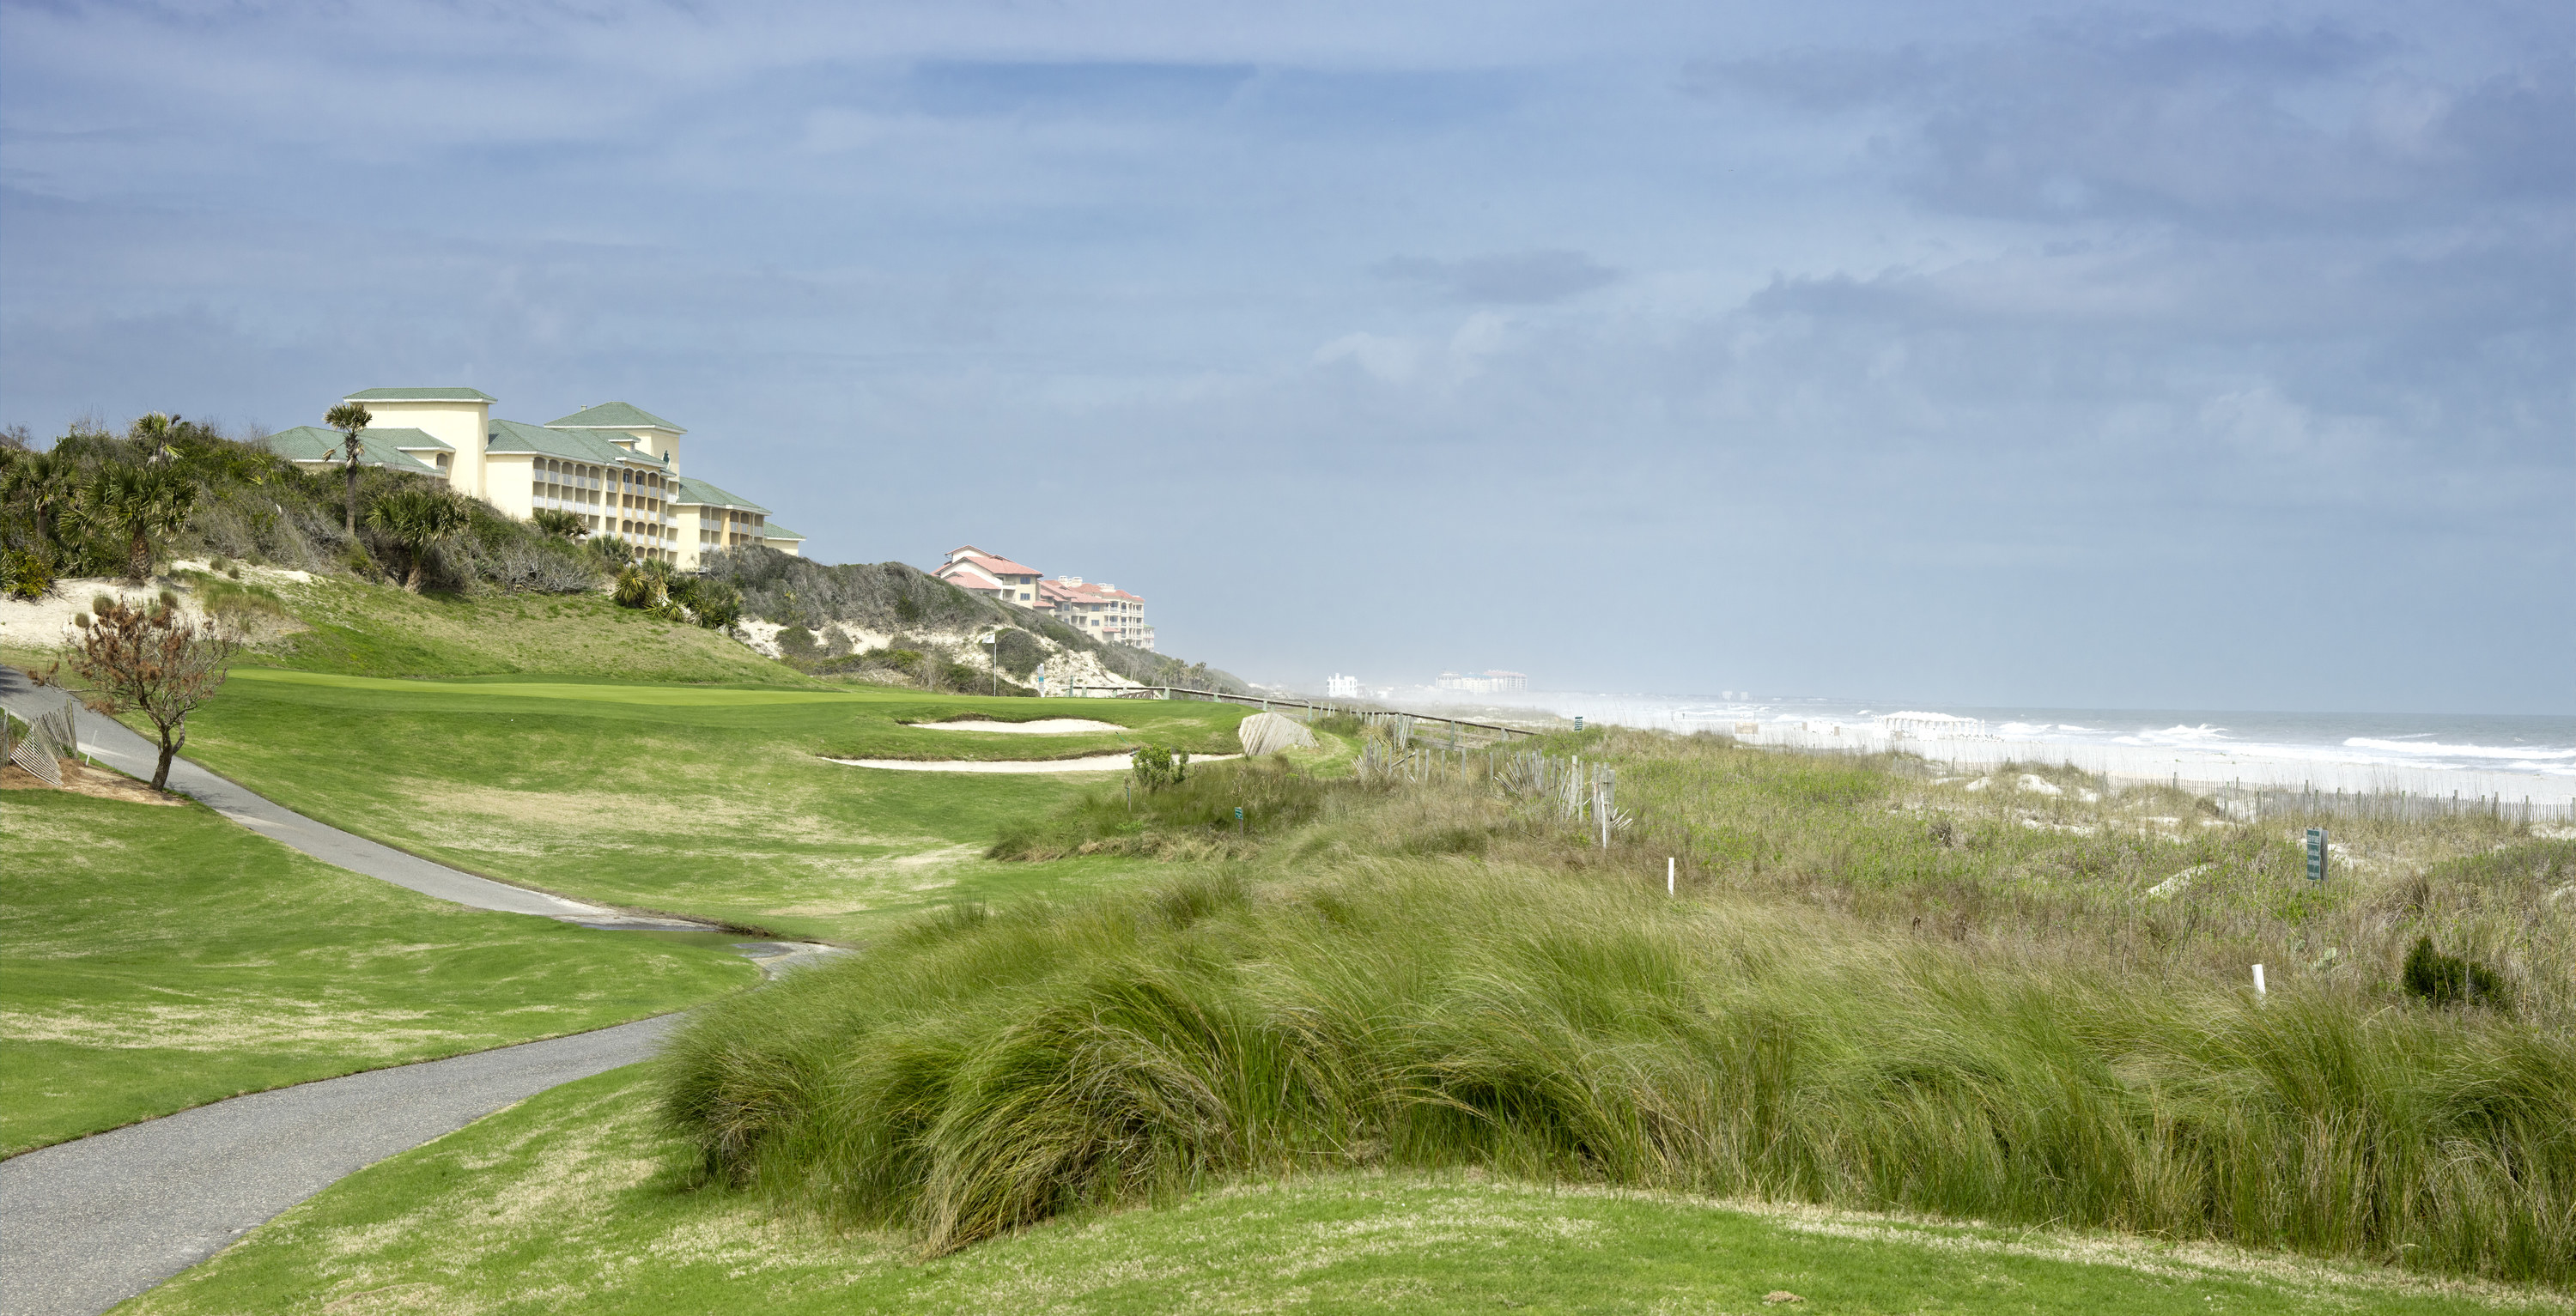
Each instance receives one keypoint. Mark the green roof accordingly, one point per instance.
(614, 416)
(420, 395)
(311, 443)
(701, 492)
(572, 445)
(773, 530)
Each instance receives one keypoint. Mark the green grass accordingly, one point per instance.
(1192, 818)
(578, 1200)
(158, 957)
(982, 1071)
(375, 630)
(718, 802)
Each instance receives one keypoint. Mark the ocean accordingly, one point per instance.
(2508, 756)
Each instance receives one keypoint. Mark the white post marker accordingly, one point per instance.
(2258, 982)
(1668, 875)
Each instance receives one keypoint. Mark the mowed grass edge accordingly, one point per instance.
(157, 957)
(581, 1199)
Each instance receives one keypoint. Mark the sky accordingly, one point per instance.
(2186, 356)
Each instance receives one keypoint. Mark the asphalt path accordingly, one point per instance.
(85, 1225)
(111, 742)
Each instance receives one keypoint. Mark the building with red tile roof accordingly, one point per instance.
(1102, 611)
(969, 567)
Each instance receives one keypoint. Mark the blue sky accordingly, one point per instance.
(2216, 356)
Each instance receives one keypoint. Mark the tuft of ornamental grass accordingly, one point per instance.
(983, 1070)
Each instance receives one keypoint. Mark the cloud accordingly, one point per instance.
(1903, 321)
(2221, 128)
(1517, 278)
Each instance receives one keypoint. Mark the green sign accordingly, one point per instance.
(2316, 854)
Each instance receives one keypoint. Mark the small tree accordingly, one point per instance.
(420, 520)
(154, 660)
(349, 418)
(1156, 766)
(137, 504)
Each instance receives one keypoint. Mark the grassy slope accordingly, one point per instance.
(575, 1200)
(708, 801)
(373, 630)
(160, 957)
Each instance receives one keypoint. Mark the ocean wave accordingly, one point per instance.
(2435, 749)
(2203, 734)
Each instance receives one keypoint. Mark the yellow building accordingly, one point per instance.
(615, 465)
(712, 519)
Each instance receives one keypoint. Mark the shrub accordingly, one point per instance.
(644, 585)
(1157, 766)
(539, 568)
(25, 574)
(711, 603)
(1019, 653)
(2448, 979)
(798, 644)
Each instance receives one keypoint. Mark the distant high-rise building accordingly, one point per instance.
(1488, 682)
(1339, 686)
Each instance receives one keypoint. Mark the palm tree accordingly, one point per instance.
(349, 418)
(420, 520)
(41, 482)
(137, 504)
(153, 433)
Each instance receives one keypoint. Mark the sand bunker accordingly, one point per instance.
(1093, 763)
(1045, 726)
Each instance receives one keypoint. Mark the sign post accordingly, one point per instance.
(2316, 854)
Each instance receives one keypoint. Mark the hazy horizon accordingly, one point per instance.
(2019, 356)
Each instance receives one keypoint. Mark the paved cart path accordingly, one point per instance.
(85, 1225)
(113, 743)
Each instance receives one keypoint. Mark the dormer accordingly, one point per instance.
(456, 417)
(630, 427)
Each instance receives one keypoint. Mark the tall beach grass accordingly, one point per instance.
(986, 1070)
(1877, 989)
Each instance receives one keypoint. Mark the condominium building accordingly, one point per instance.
(971, 568)
(1491, 681)
(615, 465)
(1102, 610)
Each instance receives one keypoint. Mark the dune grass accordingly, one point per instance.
(1194, 818)
(718, 802)
(1879, 990)
(156, 957)
(990, 1070)
(580, 1200)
